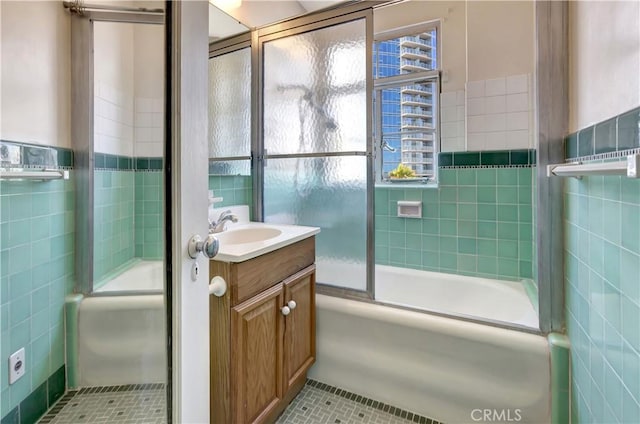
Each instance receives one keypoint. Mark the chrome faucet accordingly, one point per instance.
(218, 226)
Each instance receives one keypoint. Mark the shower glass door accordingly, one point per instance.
(119, 326)
(317, 162)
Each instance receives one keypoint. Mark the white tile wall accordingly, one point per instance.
(452, 117)
(518, 83)
(476, 106)
(496, 104)
(148, 134)
(495, 87)
(500, 113)
(518, 102)
(124, 126)
(475, 89)
(113, 120)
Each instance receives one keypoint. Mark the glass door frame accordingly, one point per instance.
(83, 128)
(294, 27)
(220, 48)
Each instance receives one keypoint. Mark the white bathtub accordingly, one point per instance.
(120, 339)
(142, 276)
(439, 367)
(487, 299)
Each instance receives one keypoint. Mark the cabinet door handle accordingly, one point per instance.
(292, 304)
(285, 310)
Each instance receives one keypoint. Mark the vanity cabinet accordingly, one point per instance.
(262, 339)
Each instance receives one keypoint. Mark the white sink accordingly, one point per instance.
(242, 242)
(248, 235)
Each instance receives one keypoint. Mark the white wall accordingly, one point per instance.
(604, 68)
(500, 39)
(35, 72)
(452, 16)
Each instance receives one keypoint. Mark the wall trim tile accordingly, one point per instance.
(64, 155)
(36, 404)
(488, 159)
(618, 154)
(105, 161)
(12, 417)
(613, 137)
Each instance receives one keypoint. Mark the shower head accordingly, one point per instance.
(331, 124)
(309, 97)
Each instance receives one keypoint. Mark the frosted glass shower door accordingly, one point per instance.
(317, 166)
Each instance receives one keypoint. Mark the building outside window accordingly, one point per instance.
(406, 81)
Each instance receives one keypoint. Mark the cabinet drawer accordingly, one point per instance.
(249, 278)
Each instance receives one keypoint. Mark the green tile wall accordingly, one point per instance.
(113, 220)
(36, 273)
(128, 218)
(235, 190)
(477, 222)
(149, 216)
(602, 283)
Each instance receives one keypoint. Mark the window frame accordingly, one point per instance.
(397, 81)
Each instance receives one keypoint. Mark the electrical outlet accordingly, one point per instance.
(17, 366)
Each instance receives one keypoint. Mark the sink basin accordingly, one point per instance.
(244, 241)
(248, 235)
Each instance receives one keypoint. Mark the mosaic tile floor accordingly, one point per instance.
(317, 403)
(142, 403)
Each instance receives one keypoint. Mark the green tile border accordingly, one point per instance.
(615, 134)
(105, 161)
(101, 160)
(36, 404)
(148, 163)
(13, 417)
(65, 156)
(489, 158)
(57, 385)
(559, 347)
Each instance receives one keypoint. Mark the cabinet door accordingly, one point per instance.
(256, 356)
(300, 325)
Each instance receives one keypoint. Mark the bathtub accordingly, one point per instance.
(447, 369)
(470, 297)
(143, 276)
(117, 336)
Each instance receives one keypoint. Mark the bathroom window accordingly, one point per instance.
(406, 81)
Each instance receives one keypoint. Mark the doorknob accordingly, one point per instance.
(208, 247)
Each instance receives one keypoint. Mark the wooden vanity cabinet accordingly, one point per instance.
(259, 355)
(300, 329)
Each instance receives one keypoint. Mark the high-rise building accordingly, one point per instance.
(408, 115)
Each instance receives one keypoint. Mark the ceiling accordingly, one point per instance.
(232, 17)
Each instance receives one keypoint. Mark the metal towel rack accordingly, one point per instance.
(629, 166)
(45, 174)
